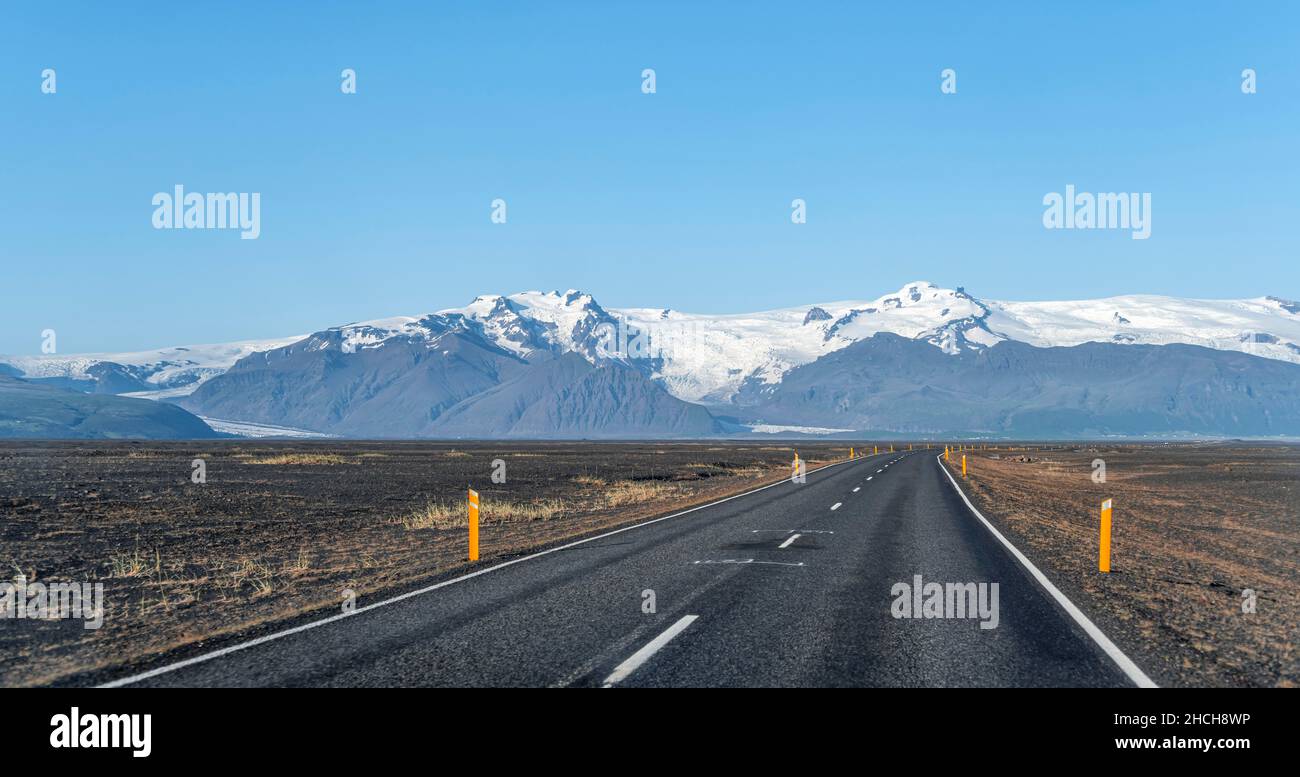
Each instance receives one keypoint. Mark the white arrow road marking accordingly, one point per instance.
(638, 658)
(788, 542)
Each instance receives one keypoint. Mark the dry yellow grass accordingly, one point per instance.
(623, 491)
(626, 492)
(445, 515)
(299, 565)
(127, 564)
(298, 459)
(246, 571)
(714, 469)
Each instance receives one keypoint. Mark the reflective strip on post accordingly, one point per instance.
(473, 525)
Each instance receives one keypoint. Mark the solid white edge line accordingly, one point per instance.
(409, 594)
(1126, 665)
(787, 543)
(638, 658)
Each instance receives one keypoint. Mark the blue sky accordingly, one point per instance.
(378, 203)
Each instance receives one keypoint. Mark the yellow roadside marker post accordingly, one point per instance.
(1103, 562)
(473, 525)
(850, 453)
(875, 449)
(963, 465)
(945, 453)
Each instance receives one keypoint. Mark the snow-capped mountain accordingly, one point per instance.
(157, 374)
(520, 324)
(697, 357)
(721, 353)
(1264, 326)
(710, 358)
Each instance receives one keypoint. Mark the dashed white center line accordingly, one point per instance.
(836, 506)
(856, 490)
(790, 541)
(871, 477)
(879, 471)
(638, 658)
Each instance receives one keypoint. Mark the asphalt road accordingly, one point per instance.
(740, 600)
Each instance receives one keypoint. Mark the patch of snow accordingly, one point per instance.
(171, 393)
(248, 429)
(773, 429)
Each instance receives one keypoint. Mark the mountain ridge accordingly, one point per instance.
(709, 358)
(559, 364)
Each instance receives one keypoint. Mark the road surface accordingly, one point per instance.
(791, 585)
